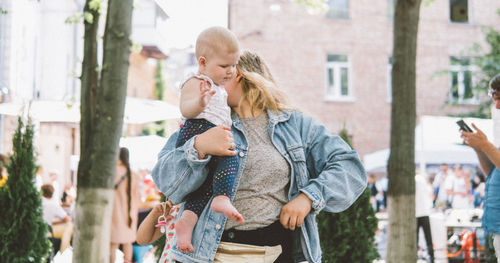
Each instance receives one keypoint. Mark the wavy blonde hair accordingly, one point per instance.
(258, 85)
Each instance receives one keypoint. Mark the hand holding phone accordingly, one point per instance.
(463, 126)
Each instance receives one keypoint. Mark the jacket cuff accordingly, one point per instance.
(192, 153)
(318, 203)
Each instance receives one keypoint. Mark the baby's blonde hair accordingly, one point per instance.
(216, 40)
(258, 85)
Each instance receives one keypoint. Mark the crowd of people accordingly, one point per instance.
(456, 187)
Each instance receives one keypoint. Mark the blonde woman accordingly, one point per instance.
(290, 168)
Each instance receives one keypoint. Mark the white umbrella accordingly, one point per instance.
(143, 150)
(137, 111)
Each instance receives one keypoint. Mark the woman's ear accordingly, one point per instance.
(238, 77)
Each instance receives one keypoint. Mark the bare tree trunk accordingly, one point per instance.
(102, 107)
(402, 245)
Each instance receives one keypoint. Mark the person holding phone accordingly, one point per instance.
(489, 161)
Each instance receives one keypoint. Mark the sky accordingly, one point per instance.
(187, 18)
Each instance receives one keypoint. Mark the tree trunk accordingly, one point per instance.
(402, 245)
(102, 109)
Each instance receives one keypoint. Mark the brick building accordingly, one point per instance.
(336, 65)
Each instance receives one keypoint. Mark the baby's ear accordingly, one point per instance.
(202, 61)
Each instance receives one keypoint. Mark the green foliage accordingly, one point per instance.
(315, 5)
(488, 65)
(159, 81)
(136, 47)
(349, 236)
(23, 233)
(3, 11)
(74, 19)
(159, 127)
(88, 17)
(96, 5)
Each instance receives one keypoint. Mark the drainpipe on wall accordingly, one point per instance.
(79, 8)
(4, 90)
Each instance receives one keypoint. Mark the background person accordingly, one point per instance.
(439, 186)
(125, 208)
(423, 209)
(55, 216)
(489, 161)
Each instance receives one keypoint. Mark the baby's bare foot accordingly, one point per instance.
(184, 231)
(222, 204)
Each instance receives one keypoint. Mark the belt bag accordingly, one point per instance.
(228, 252)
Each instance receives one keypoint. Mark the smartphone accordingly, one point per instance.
(463, 126)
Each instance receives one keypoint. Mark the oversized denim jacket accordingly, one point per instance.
(322, 165)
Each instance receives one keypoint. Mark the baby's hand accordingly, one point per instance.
(205, 93)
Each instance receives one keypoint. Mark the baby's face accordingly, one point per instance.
(221, 67)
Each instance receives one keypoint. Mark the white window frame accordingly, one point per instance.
(460, 70)
(344, 10)
(389, 80)
(336, 66)
(391, 9)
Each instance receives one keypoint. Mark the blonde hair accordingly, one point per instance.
(216, 40)
(258, 85)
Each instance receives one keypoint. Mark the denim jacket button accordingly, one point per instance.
(218, 227)
(242, 154)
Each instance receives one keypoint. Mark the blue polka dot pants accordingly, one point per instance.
(221, 169)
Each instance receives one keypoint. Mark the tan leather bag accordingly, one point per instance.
(241, 253)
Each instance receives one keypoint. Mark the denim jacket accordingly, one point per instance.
(491, 206)
(323, 167)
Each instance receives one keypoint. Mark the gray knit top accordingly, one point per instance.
(264, 183)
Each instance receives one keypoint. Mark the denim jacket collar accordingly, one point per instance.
(274, 117)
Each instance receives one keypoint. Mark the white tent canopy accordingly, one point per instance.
(437, 140)
(137, 111)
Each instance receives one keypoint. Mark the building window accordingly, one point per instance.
(338, 9)
(337, 72)
(390, 9)
(461, 81)
(389, 79)
(459, 11)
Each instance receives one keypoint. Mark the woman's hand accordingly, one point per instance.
(217, 141)
(293, 214)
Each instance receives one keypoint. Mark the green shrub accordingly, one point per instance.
(23, 233)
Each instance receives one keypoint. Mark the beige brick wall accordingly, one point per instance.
(295, 45)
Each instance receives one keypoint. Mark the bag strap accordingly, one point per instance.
(121, 180)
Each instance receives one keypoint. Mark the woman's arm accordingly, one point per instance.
(186, 165)
(337, 176)
(147, 233)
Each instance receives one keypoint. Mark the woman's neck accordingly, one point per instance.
(244, 110)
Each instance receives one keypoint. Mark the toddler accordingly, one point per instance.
(204, 105)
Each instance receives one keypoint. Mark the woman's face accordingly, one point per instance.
(234, 91)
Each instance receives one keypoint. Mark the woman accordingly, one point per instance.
(125, 208)
(290, 169)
